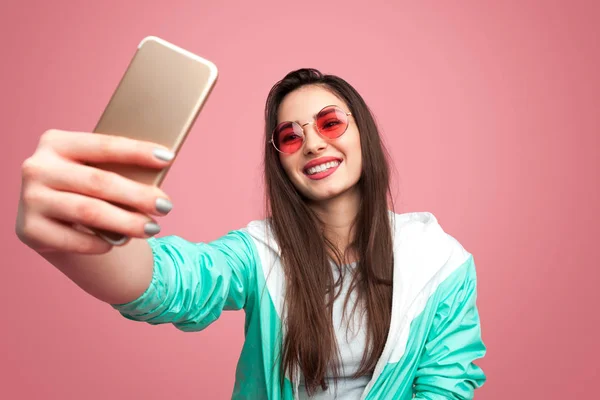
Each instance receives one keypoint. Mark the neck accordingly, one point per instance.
(337, 215)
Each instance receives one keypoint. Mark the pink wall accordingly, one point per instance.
(491, 115)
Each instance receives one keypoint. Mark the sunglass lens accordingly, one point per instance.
(332, 122)
(288, 137)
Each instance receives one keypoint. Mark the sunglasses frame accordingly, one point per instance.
(314, 123)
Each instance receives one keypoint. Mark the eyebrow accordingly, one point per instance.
(332, 110)
(315, 115)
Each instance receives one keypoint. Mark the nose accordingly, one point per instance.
(313, 142)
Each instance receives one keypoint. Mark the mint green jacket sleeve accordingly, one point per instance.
(193, 283)
(446, 369)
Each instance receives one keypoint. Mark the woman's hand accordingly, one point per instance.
(60, 191)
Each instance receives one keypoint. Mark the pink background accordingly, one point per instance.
(490, 110)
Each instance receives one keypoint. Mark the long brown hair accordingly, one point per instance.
(310, 342)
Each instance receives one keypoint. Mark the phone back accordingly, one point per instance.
(157, 100)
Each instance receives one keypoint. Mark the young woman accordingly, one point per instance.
(343, 297)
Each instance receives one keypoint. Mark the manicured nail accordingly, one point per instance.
(163, 206)
(164, 155)
(151, 229)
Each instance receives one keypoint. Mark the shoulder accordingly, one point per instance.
(422, 230)
(262, 234)
(423, 250)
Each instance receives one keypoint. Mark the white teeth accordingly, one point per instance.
(322, 167)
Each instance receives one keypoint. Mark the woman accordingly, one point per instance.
(342, 296)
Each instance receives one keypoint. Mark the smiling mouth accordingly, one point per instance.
(322, 167)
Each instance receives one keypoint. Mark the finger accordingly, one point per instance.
(49, 235)
(104, 148)
(93, 182)
(92, 212)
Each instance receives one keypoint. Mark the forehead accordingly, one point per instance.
(302, 104)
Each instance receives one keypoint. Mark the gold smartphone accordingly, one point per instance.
(158, 99)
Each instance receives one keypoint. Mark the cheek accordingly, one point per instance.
(359, 162)
(356, 170)
(287, 164)
(355, 153)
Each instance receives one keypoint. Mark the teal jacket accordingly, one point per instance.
(434, 336)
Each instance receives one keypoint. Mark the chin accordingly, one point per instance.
(326, 194)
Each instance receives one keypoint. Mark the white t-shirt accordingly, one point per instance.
(351, 343)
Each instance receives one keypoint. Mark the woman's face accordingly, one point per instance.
(342, 156)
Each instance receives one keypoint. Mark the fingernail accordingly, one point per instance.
(151, 229)
(164, 155)
(163, 205)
